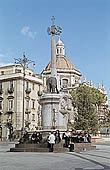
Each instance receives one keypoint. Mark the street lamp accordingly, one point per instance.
(24, 62)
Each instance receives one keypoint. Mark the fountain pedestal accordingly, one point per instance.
(51, 117)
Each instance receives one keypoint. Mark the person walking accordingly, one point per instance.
(51, 140)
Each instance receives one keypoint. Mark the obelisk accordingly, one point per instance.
(51, 117)
(52, 81)
(53, 50)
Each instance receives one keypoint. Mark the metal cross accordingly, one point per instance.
(53, 29)
(53, 19)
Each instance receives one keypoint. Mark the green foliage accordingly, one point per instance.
(85, 99)
(107, 123)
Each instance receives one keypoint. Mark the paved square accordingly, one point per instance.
(92, 160)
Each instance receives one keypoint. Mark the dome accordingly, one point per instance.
(61, 63)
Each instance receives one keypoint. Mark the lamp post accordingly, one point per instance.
(24, 62)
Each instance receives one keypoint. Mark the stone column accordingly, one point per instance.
(53, 56)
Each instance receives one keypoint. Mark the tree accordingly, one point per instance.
(86, 99)
(107, 123)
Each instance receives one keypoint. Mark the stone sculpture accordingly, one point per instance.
(52, 85)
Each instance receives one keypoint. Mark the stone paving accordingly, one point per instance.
(98, 159)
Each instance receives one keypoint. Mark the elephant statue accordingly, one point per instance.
(52, 85)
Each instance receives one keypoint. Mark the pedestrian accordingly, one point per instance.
(85, 138)
(107, 132)
(89, 138)
(67, 138)
(57, 137)
(51, 140)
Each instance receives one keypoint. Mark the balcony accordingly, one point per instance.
(10, 90)
(28, 110)
(10, 111)
(39, 93)
(28, 90)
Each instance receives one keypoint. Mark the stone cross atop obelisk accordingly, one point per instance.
(53, 30)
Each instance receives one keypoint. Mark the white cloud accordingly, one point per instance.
(27, 32)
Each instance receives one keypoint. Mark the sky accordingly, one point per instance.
(85, 32)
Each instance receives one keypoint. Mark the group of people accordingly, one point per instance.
(35, 137)
(55, 137)
(76, 137)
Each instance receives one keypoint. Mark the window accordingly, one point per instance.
(11, 84)
(27, 117)
(0, 85)
(33, 104)
(27, 104)
(17, 71)
(65, 82)
(2, 72)
(27, 85)
(33, 86)
(33, 117)
(10, 104)
(0, 105)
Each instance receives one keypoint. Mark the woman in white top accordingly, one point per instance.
(51, 141)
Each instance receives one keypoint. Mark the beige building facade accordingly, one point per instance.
(18, 110)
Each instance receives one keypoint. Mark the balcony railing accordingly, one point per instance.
(28, 110)
(10, 111)
(28, 90)
(39, 93)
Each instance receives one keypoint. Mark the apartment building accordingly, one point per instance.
(19, 95)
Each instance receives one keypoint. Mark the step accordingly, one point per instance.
(61, 150)
(30, 145)
(29, 150)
